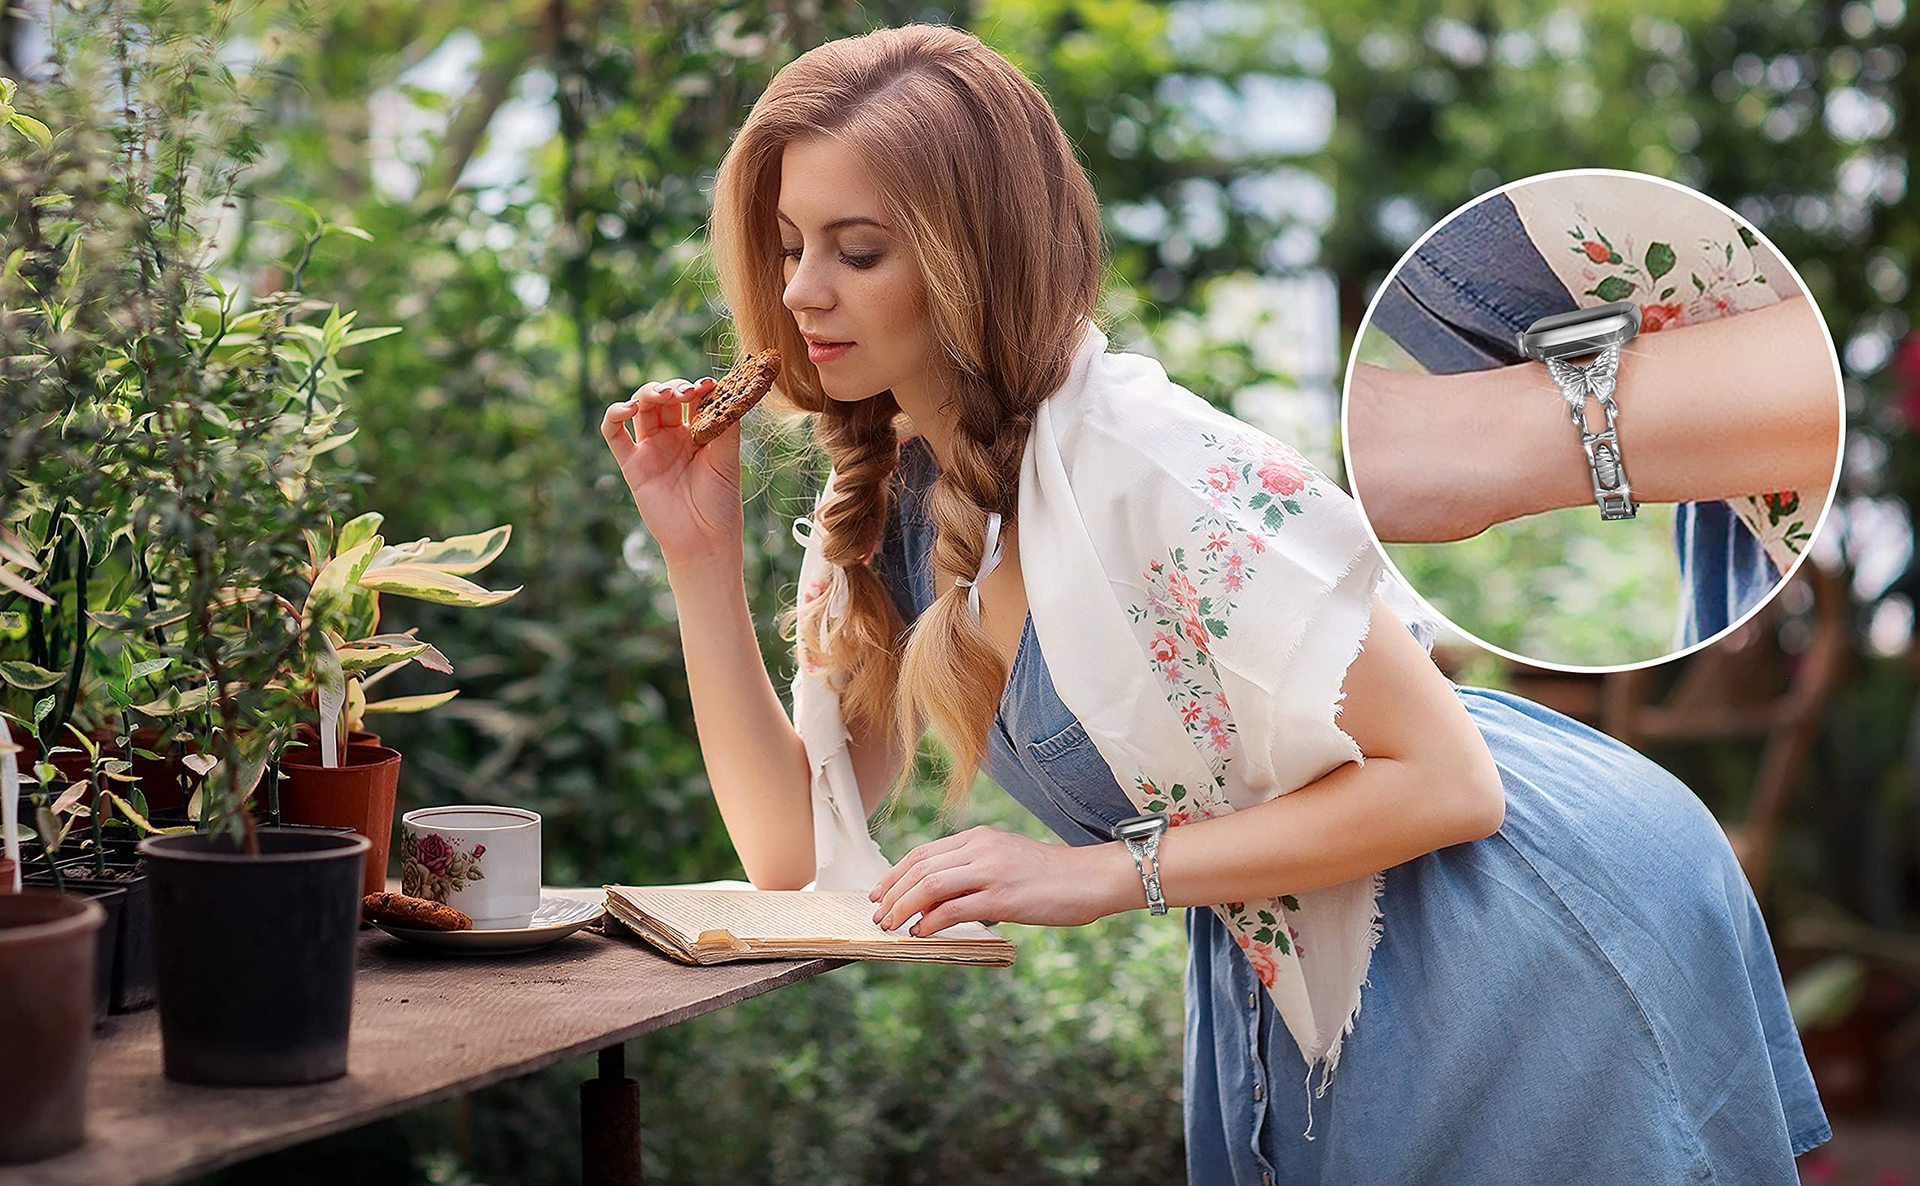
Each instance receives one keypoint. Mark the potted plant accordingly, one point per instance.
(150, 404)
(116, 876)
(46, 957)
(47, 954)
(319, 784)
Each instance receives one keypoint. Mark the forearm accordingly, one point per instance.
(1743, 405)
(1357, 819)
(754, 757)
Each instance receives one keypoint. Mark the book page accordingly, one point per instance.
(779, 914)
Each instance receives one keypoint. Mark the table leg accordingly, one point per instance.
(610, 1124)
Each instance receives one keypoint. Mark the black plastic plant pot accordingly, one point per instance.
(255, 955)
(132, 976)
(106, 940)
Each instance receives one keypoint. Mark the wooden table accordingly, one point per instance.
(425, 1027)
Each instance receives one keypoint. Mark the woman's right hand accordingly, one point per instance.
(689, 496)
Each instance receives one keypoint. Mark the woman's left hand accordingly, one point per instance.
(985, 874)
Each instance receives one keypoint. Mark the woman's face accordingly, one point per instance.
(854, 290)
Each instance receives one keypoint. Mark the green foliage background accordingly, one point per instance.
(529, 305)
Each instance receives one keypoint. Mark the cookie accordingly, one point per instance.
(742, 387)
(414, 912)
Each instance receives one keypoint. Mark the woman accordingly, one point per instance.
(1573, 981)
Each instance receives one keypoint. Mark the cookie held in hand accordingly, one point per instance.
(414, 912)
(742, 387)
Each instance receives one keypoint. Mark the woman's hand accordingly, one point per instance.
(688, 496)
(984, 874)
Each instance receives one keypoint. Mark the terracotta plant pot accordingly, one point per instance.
(357, 794)
(255, 955)
(126, 943)
(46, 978)
(7, 868)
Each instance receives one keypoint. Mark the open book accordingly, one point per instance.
(697, 924)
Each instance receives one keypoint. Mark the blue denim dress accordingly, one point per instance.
(1457, 306)
(1587, 996)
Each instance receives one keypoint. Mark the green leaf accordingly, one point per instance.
(358, 336)
(1613, 288)
(302, 207)
(380, 651)
(1659, 259)
(146, 668)
(359, 530)
(432, 584)
(175, 702)
(343, 229)
(462, 553)
(29, 126)
(411, 703)
(339, 578)
(26, 676)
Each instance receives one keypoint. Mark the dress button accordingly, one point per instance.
(1267, 1177)
(1259, 1090)
(1253, 998)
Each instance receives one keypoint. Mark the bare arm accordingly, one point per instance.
(1428, 782)
(1743, 405)
(754, 756)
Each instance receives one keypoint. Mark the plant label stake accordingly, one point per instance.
(10, 801)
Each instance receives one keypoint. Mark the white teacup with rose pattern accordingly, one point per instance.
(482, 861)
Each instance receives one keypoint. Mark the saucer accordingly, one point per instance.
(557, 917)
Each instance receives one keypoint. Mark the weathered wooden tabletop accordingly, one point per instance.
(426, 1027)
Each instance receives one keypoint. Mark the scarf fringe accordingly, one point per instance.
(1331, 1059)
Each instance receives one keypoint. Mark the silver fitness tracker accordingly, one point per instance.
(1141, 834)
(1599, 331)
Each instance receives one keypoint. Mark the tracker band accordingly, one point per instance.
(1600, 331)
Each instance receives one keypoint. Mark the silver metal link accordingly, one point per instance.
(1612, 492)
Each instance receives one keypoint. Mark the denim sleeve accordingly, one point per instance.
(1460, 301)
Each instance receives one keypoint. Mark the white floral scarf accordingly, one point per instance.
(1199, 590)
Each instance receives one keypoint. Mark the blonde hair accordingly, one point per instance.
(996, 209)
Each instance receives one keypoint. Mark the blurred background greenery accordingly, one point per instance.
(535, 175)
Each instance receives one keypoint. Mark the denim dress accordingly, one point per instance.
(1458, 305)
(1587, 996)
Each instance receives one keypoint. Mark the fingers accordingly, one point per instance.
(929, 849)
(932, 883)
(650, 409)
(968, 908)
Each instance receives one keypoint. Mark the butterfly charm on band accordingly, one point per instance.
(1578, 382)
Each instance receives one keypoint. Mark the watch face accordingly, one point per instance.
(1583, 331)
(1135, 827)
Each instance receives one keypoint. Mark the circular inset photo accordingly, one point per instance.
(1594, 419)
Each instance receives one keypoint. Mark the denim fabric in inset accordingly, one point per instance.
(1588, 996)
(1458, 305)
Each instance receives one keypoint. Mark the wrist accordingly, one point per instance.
(715, 571)
(1532, 457)
(1124, 888)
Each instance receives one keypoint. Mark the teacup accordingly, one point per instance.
(482, 861)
